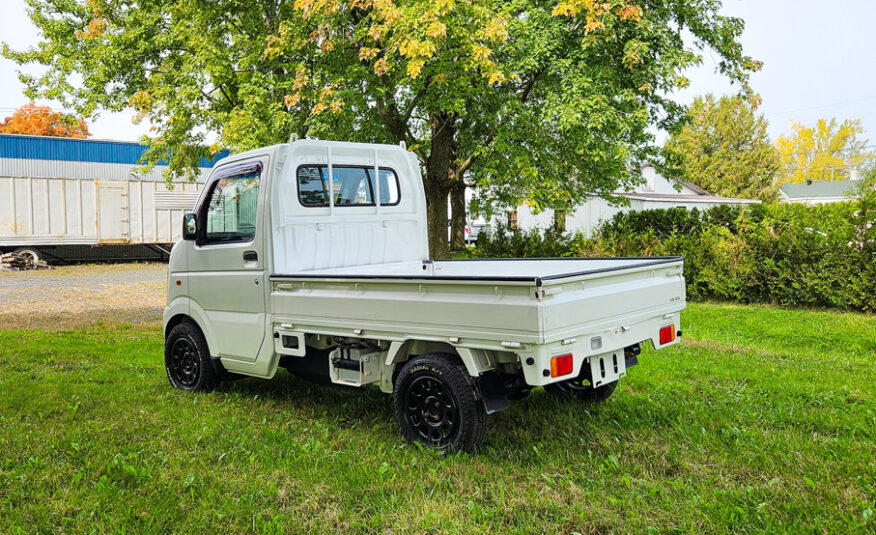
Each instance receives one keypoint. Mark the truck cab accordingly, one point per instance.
(313, 256)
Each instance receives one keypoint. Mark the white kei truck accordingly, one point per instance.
(313, 256)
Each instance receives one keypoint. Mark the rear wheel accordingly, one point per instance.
(581, 387)
(436, 404)
(187, 360)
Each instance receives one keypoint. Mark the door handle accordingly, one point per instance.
(250, 256)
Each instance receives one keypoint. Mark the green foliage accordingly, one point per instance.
(762, 421)
(724, 148)
(786, 254)
(520, 95)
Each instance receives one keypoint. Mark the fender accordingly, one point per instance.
(186, 306)
(476, 361)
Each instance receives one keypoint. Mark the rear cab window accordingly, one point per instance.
(351, 186)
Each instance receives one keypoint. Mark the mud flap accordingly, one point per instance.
(492, 392)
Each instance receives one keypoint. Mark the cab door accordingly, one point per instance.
(226, 264)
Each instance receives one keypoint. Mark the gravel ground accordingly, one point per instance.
(75, 296)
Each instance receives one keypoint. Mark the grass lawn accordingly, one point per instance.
(764, 420)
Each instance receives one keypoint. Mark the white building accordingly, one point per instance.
(655, 193)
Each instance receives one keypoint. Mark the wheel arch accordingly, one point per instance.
(184, 308)
(476, 361)
(184, 318)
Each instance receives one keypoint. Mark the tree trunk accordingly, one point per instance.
(438, 180)
(436, 218)
(458, 217)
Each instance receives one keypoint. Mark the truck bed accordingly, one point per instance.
(535, 270)
(535, 301)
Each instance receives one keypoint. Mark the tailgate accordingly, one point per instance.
(588, 303)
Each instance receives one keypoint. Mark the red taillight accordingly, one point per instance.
(561, 365)
(667, 334)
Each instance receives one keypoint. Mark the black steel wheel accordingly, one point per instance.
(437, 404)
(187, 360)
(581, 387)
(184, 362)
(431, 410)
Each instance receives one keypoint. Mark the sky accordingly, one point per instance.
(819, 62)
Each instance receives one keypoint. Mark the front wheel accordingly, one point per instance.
(436, 404)
(187, 360)
(581, 387)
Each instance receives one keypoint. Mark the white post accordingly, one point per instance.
(377, 181)
(331, 184)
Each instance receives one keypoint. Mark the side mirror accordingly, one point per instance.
(190, 227)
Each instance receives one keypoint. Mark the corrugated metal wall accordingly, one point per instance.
(78, 150)
(58, 191)
(25, 168)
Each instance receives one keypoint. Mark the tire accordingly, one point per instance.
(187, 360)
(581, 387)
(437, 404)
(29, 252)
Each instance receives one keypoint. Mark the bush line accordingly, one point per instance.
(783, 254)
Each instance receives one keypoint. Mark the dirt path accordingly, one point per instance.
(74, 296)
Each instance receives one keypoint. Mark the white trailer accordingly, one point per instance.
(313, 256)
(61, 197)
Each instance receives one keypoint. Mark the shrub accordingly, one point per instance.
(793, 255)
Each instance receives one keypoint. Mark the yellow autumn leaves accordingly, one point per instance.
(325, 98)
(408, 36)
(96, 28)
(595, 12)
(824, 152)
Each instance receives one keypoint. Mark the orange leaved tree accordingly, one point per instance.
(42, 121)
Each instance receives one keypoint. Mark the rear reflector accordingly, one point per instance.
(561, 365)
(667, 334)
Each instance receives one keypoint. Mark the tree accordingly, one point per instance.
(36, 120)
(827, 151)
(533, 99)
(724, 148)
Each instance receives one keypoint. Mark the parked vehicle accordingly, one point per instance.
(476, 229)
(471, 231)
(313, 256)
(64, 199)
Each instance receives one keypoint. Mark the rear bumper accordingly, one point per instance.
(609, 344)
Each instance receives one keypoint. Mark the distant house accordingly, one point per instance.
(818, 192)
(657, 192)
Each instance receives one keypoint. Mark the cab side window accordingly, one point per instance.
(231, 209)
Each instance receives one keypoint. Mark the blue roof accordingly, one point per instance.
(79, 150)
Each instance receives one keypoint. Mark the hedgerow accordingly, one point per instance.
(784, 254)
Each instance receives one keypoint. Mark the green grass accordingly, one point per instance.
(763, 421)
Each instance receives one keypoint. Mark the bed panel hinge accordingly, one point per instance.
(542, 292)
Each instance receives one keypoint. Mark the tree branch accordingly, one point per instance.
(467, 163)
(463, 167)
(413, 104)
